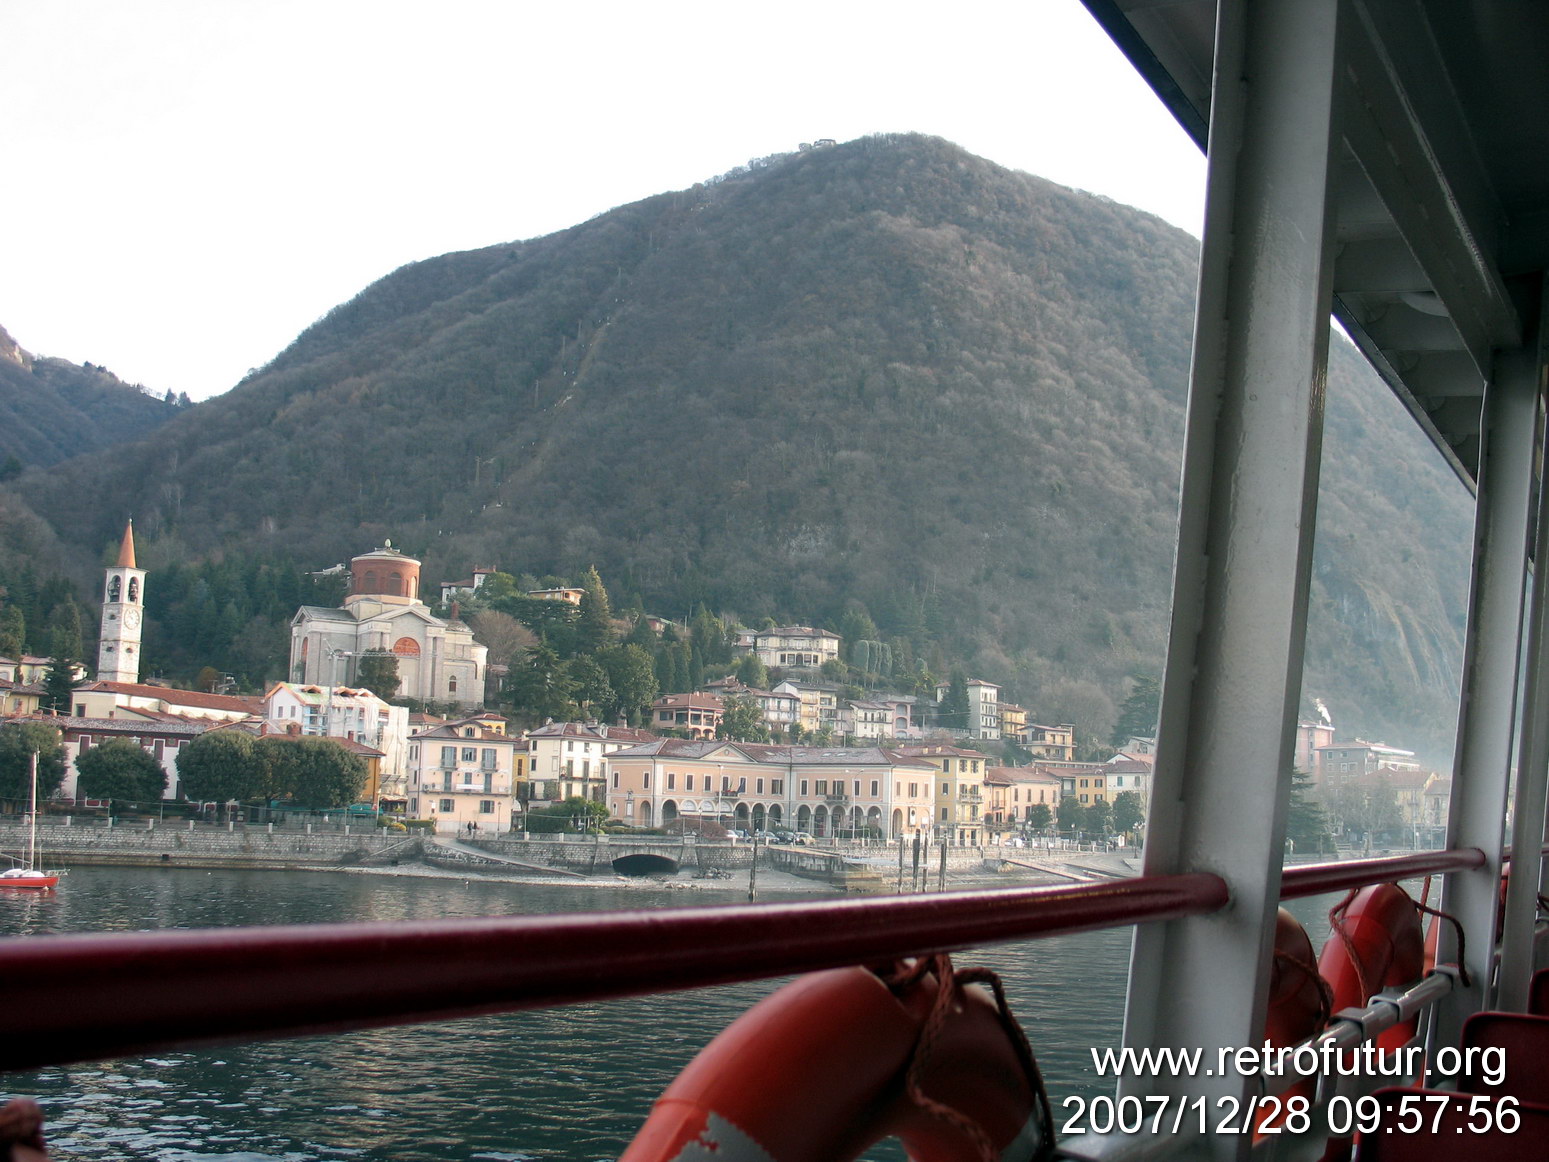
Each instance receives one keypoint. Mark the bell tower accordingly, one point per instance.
(123, 608)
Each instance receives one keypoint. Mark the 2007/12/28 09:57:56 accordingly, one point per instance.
(1417, 1113)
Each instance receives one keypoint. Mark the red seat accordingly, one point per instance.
(1538, 994)
(1463, 1132)
(1523, 1044)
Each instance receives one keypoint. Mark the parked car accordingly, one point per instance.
(802, 838)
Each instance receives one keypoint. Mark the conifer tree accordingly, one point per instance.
(955, 708)
(594, 623)
(59, 686)
(13, 633)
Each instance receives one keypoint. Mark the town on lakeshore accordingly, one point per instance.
(788, 734)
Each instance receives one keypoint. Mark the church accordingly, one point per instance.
(438, 660)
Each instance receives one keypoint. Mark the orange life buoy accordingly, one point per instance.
(837, 1060)
(1377, 943)
(1298, 1001)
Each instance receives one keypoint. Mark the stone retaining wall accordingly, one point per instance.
(204, 846)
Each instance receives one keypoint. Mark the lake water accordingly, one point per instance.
(572, 1083)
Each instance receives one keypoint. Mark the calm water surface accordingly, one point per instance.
(570, 1083)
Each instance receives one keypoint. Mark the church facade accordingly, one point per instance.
(438, 660)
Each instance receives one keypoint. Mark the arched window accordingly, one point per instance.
(369, 584)
(406, 647)
(395, 583)
(113, 586)
(451, 685)
(134, 589)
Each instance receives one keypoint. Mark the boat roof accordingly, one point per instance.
(1443, 194)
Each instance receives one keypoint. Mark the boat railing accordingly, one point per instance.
(93, 996)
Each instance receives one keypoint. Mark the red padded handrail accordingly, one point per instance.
(1315, 879)
(83, 997)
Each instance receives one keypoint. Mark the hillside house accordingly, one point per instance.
(452, 590)
(796, 647)
(983, 707)
(570, 596)
(697, 713)
(1056, 743)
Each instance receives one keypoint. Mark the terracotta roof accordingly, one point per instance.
(795, 631)
(1125, 756)
(350, 745)
(591, 730)
(936, 749)
(319, 694)
(246, 704)
(701, 701)
(1030, 774)
(452, 730)
(1129, 767)
(180, 728)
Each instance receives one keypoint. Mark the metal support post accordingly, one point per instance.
(1248, 501)
(1527, 834)
(1487, 709)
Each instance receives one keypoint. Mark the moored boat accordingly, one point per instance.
(27, 875)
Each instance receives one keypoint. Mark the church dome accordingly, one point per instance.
(385, 573)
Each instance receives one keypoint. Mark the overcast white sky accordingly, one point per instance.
(189, 184)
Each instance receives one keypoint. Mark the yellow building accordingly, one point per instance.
(1012, 792)
(959, 800)
(1013, 722)
(1052, 742)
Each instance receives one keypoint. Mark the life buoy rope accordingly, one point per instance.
(949, 981)
(1377, 943)
(835, 1061)
(1300, 1002)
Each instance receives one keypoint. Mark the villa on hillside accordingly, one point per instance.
(796, 647)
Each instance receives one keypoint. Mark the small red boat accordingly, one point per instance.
(27, 875)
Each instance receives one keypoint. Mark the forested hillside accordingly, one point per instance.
(51, 409)
(887, 376)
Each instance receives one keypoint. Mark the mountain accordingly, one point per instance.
(51, 410)
(887, 373)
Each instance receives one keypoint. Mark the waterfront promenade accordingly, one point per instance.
(85, 841)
